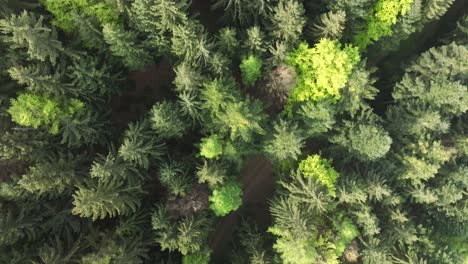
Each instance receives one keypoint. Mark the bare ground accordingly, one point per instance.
(258, 187)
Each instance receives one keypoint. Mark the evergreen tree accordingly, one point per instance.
(27, 31)
(364, 139)
(98, 200)
(124, 44)
(226, 198)
(285, 143)
(288, 21)
(241, 11)
(173, 175)
(330, 25)
(187, 234)
(166, 120)
(139, 146)
(251, 70)
(255, 41)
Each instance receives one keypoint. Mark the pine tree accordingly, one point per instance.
(39, 79)
(242, 11)
(285, 143)
(226, 40)
(317, 117)
(242, 120)
(187, 78)
(254, 42)
(190, 106)
(98, 200)
(89, 78)
(53, 177)
(139, 146)
(124, 44)
(250, 70)
(86, 127)
(187, 234)
(330, 25)
(18, 224)
(173, 176)
(191, 43)
(27, 31)
(288, 21)
(212, 173)
(364, 138)
(159, 16)
(166, 120)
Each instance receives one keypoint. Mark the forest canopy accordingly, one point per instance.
(233, 131)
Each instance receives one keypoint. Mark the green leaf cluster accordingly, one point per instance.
(380, 21)
(226, 198)
(321, 170)
(322, 70)
(40, 111)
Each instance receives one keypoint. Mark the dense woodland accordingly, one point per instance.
(234, 131)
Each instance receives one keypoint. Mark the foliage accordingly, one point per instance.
(242, 11)
(251, 70)
(380, 21)
(321, 170)
(286, 142)
(106, 199)
(166, 120)
(124, 44)
(347, 232)
(174, 177)
(212, 173)
(63, 12)
(226, 198)
(139, 146)
(288, 20)
(211, 147)
(188, 234)
(37, 111)
(27, 31)
(201, 257)
(330, 25)
(364, 139)
(323, 70)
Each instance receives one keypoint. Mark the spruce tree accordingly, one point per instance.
(28, 31)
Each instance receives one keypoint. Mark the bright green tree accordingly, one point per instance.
(226, 198)
(38, 111)
(323, 70)
(251, 70)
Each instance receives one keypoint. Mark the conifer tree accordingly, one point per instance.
(139, 146)
(364, 139)
(242, 11)
(330, 25)
(288, 21)
(28, 31)
(39, 79)
(285, 143)
(124, 44)
(187, 234)
(166, 120)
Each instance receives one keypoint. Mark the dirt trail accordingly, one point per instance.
(258, 186)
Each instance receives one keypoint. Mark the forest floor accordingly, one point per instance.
(258, 187)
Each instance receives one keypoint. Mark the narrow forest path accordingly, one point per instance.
(258, 187)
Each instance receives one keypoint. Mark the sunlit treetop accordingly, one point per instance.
(321, 170)
(381, 20)
(323, 70)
